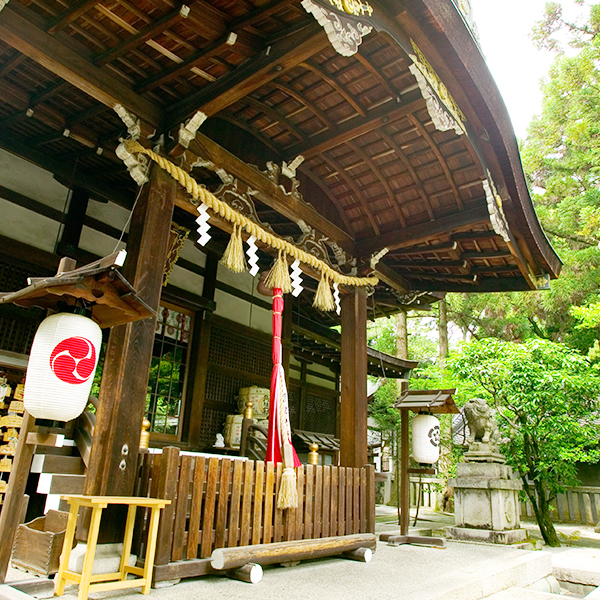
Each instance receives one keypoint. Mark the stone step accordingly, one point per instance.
(522, 570)
(578, 566)
(519, 593)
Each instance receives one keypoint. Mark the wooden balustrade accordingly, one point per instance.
(220, 503)
(576, 505)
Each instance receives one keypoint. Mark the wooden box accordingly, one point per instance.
(38, 544)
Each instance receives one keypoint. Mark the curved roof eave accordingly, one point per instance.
(441, 25)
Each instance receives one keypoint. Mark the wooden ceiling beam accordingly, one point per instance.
(486, 254)
(447, 247)
(428, 264)
(282, 56)
(392, 278)
(386, 113)
(143, 35)
(268, 192)
(20, 33)
(71, 14)
(409, 236)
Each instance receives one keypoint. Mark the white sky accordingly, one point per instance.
(516, 64)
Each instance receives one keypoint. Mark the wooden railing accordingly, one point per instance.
(428, 488)
(219, 502)
(576, 505)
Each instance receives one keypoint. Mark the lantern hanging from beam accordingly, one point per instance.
(425, 439)
(61, 367)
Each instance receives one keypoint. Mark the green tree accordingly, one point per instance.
(546, 396)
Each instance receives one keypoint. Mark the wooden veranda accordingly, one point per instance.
(383, 150)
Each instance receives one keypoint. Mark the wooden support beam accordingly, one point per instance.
(353, 409)
(268, 191)
(74, 219)
(19, 32)
(281, 56)
(70, 15)
(122, 398)
(409, 236)
(424, 249)
(391, 278)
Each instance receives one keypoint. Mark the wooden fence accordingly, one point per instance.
(428, 488)
(219, 502)
(576, 505)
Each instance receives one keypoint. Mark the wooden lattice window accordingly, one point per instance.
(320, 412)
(168, 372)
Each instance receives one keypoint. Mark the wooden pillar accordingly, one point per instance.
(199, 364)
(404, 475)
(122, 398)
(353, 417)
(73, 223)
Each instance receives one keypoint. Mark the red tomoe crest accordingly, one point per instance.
(73, 360)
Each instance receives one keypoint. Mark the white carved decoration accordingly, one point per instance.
(133, 125)
(188, 131)
(136, 165)
(296, 277)
(345, 35)
(494, 206)
(441, 118)
(203, 226)
(252, 255)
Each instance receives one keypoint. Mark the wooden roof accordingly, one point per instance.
(440, 210)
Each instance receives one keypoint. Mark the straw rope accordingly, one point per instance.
(229, 214)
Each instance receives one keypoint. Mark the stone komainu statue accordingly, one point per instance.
(482, 425)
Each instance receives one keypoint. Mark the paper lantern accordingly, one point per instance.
(426, 439)
(61, 367)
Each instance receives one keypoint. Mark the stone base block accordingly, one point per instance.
(509, 536)
(106, 560)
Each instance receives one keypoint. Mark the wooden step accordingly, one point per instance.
(56, 484)
(52, 463)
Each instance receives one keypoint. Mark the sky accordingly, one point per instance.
(516, 64)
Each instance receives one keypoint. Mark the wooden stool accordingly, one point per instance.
(109, 581)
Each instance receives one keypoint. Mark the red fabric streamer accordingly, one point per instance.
(280, 431)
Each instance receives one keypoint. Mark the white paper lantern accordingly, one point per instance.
(61, 367)
(426, 439)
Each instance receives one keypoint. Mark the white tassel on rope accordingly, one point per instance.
(251, 253)
(296, 277)
(203, 226)
(336, 298)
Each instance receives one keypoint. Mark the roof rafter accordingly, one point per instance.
(20, 32)
(409, 236)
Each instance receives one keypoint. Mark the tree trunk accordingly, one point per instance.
(401, 335)
(443, 332)
(541, 508)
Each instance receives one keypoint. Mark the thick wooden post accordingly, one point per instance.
(353, 417)
(404, 476)
(13, 502)
(122, 398)
(199, 359)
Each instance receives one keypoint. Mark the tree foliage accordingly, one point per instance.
(546, 396)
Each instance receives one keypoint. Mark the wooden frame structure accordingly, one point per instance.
(385, 149)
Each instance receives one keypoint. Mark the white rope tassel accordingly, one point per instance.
(296, 277)
(203, 226)
(252, 255)
(336, 298)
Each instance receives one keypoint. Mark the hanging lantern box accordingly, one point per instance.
(111, 298)
(66, 347)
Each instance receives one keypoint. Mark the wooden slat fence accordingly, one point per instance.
(219, 502)
(576, 505)
(428, 488)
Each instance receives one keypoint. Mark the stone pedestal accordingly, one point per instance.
(486, 507)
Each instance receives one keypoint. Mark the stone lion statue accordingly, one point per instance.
(482, 425)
